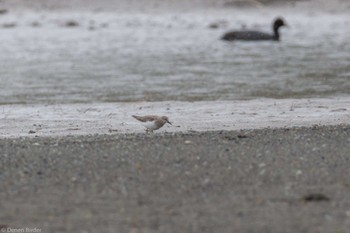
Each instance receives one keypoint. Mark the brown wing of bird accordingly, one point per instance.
(144, 118)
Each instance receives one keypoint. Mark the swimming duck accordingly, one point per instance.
(256, 35)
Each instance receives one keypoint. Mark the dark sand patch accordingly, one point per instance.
(233, 181)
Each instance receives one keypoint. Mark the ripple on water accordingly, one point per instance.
(163, 57)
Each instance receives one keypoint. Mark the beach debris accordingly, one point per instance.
(315, 197)
(113, 130)
(71, 23)
(235, 138)
(31, 131)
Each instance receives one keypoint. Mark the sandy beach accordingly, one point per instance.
(223, 166)
(260, 138)
(226, 166)
(268, 180)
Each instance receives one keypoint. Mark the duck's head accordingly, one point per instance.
(279, 22)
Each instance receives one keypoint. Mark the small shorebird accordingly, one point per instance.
(151, 122)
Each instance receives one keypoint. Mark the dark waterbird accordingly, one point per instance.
(256, 35)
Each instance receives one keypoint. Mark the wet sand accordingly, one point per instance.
(268, 180)
(115, 118)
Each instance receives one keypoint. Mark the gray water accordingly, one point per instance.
(133, 57)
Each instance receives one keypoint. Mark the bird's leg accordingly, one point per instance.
(149, 131)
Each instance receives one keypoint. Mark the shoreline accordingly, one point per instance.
(115, 118)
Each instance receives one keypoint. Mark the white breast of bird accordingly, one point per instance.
(150, 125)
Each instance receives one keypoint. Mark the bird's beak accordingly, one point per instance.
(169, 122)
(286, 25)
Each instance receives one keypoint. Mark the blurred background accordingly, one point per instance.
(86, 51)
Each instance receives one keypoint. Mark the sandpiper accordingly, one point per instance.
(152, 122)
